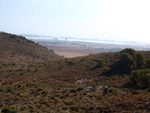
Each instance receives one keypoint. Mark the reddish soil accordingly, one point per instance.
(70, 51)
(74, 53)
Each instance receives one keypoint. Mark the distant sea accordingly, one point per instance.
(85, 40)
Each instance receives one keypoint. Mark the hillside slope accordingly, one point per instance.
(18, 48)
(75, 85)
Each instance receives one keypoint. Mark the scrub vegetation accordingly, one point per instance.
(35, 79)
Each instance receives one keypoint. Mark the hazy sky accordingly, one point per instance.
(103, 19)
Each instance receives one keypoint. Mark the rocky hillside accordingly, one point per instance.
(18, 48)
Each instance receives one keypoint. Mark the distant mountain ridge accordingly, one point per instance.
(14, 47)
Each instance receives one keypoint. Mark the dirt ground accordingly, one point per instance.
(70, 51)
(74, 53)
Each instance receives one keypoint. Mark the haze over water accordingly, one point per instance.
(123, 20)
(86, 40)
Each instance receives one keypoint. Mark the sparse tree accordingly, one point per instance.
(126, 60)
(130, 51)
(140, 59)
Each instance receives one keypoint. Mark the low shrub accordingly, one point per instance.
(73, 91)
(147, 64)
(141, 78)
(100, 63)
(106, 69)
(8, 110)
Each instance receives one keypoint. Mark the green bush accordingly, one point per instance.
(107, 69)
(147, 64)
(8, 110)
(140, 59)
(73, 91)
(80, 89)
(69, 62)
(111, 90)
(130, 51)
(9, 89)
(141, 78)
(126, 60)
(130, 58)
(53, 97)
(100, 63)
(106, 91)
